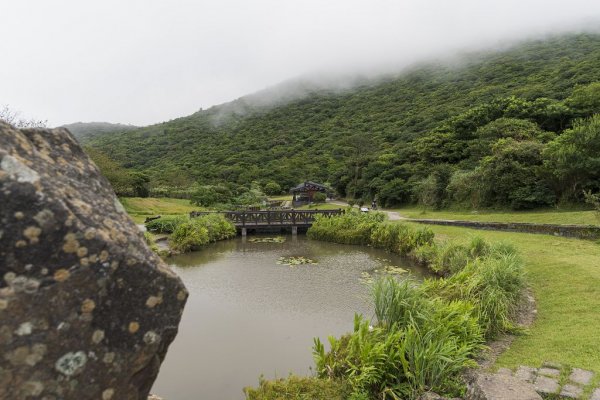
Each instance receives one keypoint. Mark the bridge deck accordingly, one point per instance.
(273, 218)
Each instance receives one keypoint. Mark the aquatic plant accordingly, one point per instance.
(293, 261)
(276, 239)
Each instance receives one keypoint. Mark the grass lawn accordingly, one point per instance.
(287, 197)
(139, 208)
(549, 216)
(564, 274)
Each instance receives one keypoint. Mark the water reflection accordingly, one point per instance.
(247, 315)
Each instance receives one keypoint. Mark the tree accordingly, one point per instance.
(14, 118)
(319, 197)
(139, 183)
(573, 158)
(511, 176)
(594, 200)
(585, 100)
(272, 189)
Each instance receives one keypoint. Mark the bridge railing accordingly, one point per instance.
(273, 217)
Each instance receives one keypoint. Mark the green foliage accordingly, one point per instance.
(272, 188)
(385, 139)
(464, 189)
(431, 191)
(196, 232)
(353, 227)
(427, 335)
(400, 238)
(299, 388)
(511, 176)
(208, 196)
(594, 200)
(585, 99)
(573, 158)
(124, 182)
(166, 224)
(189, 236)
(319, 197)
(492, 280)
(419, 344)
(150, 242)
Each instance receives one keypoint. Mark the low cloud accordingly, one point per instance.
(145, 61)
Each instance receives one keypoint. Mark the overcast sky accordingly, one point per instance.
(146, 61)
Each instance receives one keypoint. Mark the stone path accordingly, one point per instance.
(552, 380)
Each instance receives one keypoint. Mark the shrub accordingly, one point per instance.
(299, 388)
(166, 224)
(419, 344)
(272, 188)
(194, 233)
(218, 227)
(189, 236)
(319, 197)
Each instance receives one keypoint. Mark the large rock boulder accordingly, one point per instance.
(87, 311)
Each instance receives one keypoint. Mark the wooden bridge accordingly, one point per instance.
(272, 219)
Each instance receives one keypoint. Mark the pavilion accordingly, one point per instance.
(304, 193)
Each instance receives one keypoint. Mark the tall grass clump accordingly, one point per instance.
(418, 344)
(400, 238)
(196, 232)
(353, 227)
(493, 284)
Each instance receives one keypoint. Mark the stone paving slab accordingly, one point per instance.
(581, 376)
(545, 385)
(570, 391)
(500, 387)
(595, 395)
(549, 372)
(525, 374)
(505, 372)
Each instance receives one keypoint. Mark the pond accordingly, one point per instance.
(249, 315)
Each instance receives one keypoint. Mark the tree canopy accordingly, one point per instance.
(524, 117)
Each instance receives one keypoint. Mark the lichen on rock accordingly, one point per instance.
(87, 310)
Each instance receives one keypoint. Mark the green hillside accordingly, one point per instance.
(84, 131)
(497, 129)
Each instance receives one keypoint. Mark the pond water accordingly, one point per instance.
(247, 315)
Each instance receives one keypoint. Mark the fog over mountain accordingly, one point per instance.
(140, 62)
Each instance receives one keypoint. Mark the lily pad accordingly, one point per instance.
(276, 239)
(367, 276)
(293, 261)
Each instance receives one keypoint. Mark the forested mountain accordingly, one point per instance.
(499, 128)
(84, 131)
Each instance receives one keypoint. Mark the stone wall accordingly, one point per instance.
(87, 311)
(576, 231)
